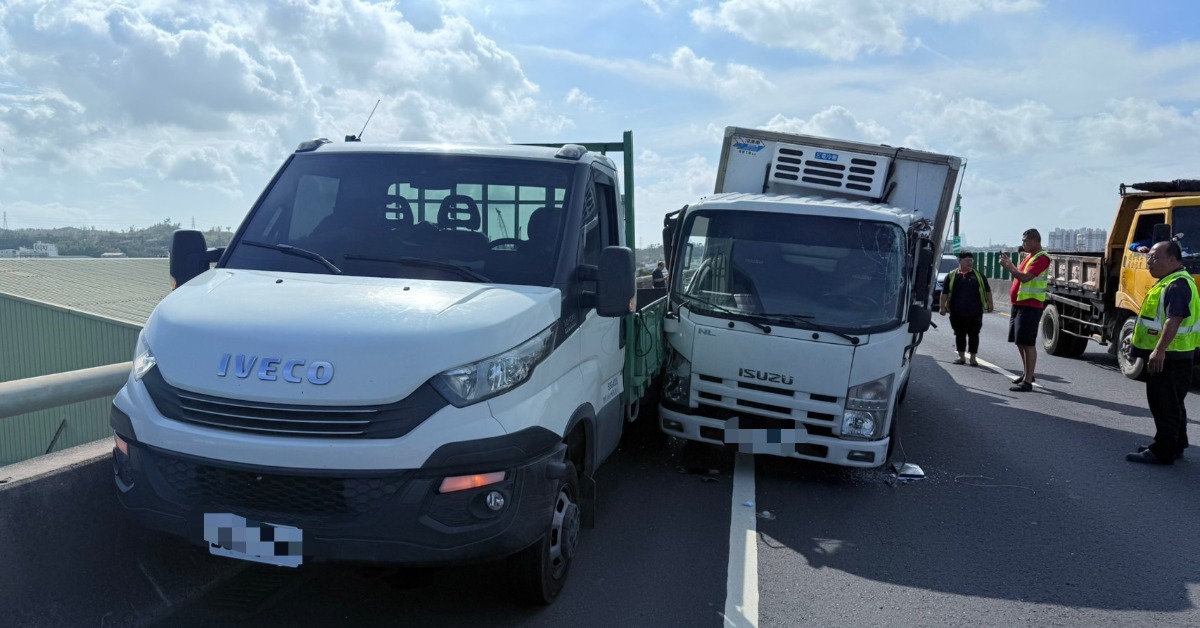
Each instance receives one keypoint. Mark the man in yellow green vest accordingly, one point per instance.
(1028, 298)
(1166, 336)
(966, 296)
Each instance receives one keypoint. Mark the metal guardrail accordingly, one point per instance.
(51, 391)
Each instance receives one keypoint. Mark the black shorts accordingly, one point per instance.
(1023, 325)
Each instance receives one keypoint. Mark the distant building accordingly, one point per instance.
(40, 249)
(1084, 240)
(112, 255)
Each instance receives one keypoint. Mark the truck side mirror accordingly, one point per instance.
(1162, 233)
(925, 270)
(616, 285)
(190, 256)
(670, 227)
(919, 319)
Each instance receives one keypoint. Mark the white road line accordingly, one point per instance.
(1005, 372)
(741, 589)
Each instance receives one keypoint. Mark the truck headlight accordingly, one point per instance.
(487, 378)
(866, 409)
(143, 358)
(677, 382)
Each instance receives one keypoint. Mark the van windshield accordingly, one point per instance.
(838, 273)
(411, 215)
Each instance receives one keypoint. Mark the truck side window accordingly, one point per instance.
(1143, 231)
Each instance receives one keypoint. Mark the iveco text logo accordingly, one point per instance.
(269, 369)
(777, 378)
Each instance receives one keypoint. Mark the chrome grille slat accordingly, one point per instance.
(269, 408)
(246, 417)
(274, 431)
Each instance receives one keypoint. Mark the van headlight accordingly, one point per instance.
(143, 358)
(866, 409)
(472, 383)
(677, 382)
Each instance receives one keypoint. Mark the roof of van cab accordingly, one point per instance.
(483, 150)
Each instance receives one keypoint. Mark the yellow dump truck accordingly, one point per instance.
(1095, 296)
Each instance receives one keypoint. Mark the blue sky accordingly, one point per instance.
(120, 114)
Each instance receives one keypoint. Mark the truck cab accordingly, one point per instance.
(799, 293)
(1098, 295)
(410, 354)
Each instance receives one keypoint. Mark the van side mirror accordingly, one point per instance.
(1162, 233)
(616, 285)
(190, 256)
(919, 319)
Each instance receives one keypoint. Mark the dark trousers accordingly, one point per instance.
(966, 331)
(1165, 392)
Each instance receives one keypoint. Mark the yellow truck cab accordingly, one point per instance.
(1095, 296)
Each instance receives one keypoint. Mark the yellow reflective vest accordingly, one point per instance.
(1153, 318)
(1034, 288)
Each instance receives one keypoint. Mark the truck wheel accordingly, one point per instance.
(540, 570)
(1054, 341)
(1130, 367)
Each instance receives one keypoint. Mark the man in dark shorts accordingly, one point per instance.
(1028, 297)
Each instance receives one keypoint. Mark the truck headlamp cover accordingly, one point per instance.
(143, 358)
(472, 383)
(866, 409)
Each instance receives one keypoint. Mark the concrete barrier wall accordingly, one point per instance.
(68, 556)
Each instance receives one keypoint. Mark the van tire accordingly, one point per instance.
(540, 570)
(1130, 367)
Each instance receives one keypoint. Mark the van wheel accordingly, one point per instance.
(540, 570)
(1130, 367)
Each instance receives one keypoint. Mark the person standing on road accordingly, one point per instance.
(1028, 297)
(966, 297)
(1166, 337)
(659, 276)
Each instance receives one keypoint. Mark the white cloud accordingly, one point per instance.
(736, 79)
(844, 29)
(579, 99)
(659, 6)
(975, 127)
(1136, 125)
(665, 185)
(836, 121)
(193, 165)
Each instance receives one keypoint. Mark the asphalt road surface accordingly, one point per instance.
(1029, 514)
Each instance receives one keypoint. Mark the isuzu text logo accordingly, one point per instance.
(777, 378)
(269, 369)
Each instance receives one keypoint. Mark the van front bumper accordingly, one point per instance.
(396, 517)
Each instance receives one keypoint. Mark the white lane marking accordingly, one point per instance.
(741, 588)
(1005, 372)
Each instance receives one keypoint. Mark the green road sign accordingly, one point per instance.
(956, 245)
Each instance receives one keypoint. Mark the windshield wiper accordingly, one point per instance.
(461, 271)
(298, 252)
(687, 300)
(806, 319)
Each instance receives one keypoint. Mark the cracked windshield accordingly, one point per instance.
(841, 274)
(404, 215)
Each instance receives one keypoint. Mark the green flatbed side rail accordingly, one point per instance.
(646, 354)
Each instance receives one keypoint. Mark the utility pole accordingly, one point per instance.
(6, 221)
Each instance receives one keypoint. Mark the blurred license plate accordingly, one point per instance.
(779, 441)
(232, 536)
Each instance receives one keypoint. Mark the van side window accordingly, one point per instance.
(592, 241)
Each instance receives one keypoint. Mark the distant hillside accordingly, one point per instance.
(152, 241)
